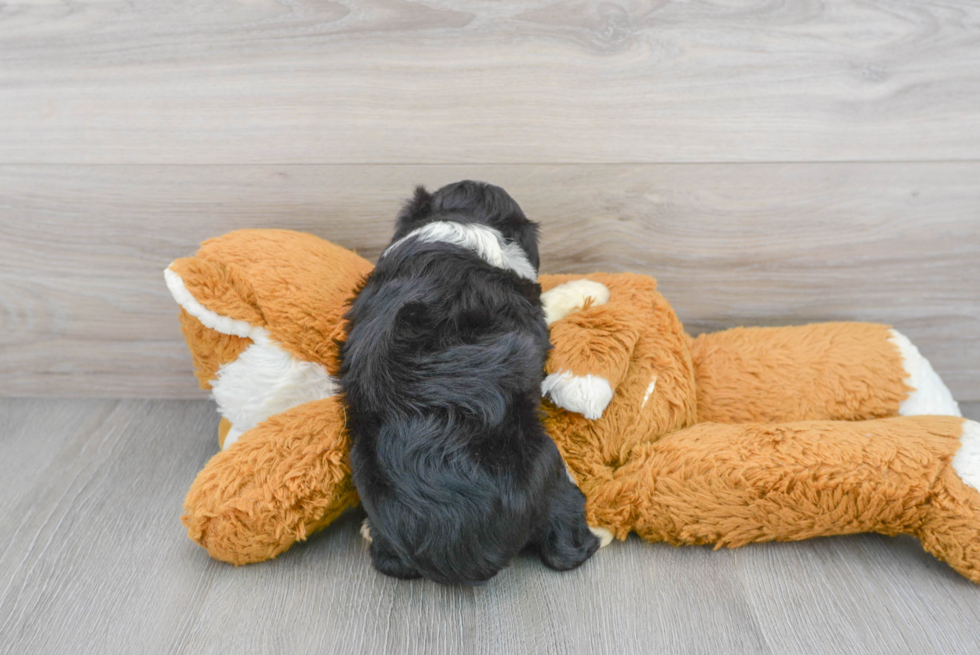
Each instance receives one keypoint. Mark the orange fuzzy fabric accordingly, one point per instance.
(752, 374)
(292, 284)
(254, 500)
(597, 340)
(743, 436)
(211, 348)
(731, 485)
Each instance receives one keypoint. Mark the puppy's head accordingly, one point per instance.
(471, 202)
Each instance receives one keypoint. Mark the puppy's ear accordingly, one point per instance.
(525, 234)
(414, 212)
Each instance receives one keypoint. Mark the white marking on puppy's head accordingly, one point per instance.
(486, 242)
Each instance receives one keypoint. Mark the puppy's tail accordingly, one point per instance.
(478, 379)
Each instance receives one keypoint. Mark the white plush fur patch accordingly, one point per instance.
(931, 396)
(967, 460)
(649, 391)
(264, 380)
(566, 298)
(605, 536)
(231, 436)
(588, 395)
(489, 244)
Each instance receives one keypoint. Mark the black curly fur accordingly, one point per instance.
(441, 370)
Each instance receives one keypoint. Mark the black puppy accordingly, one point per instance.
(441, 370)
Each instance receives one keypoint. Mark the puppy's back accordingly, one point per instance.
(442, 371)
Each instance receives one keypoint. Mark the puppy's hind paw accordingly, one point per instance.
(385, 561)
(568, 547)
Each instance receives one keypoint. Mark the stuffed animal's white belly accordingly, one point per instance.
(266, 380)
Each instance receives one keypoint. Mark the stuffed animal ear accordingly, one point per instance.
(281, 286)
(215, 294)
(218, 314)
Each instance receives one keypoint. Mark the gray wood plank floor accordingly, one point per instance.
(93, 559)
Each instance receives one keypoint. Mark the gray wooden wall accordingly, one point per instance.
(769, 163)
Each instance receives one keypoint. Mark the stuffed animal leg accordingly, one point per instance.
(822, 371)
(592, 347)
(281, 481)
(731, 485)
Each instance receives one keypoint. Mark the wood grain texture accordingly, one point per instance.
(528, 81)
(94, 560)
(82, 249)
(92, 497)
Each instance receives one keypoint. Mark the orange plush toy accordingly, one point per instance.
(747, 435)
